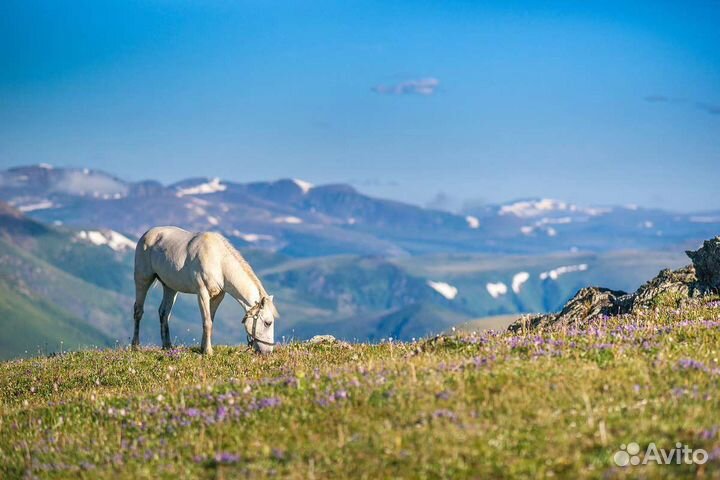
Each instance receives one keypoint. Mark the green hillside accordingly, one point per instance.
(31, 325)
(558, 403)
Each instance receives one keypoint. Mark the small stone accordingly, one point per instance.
(322, 339)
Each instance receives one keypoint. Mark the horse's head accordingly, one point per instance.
(259, 323)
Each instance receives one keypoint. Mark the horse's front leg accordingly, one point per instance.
(204, 303)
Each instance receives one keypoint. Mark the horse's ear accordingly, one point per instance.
(272, 305)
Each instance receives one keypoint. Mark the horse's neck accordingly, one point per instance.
(239, 284)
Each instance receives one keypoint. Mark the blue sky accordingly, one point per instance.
(593, 102)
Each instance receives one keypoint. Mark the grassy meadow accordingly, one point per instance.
(490, 404)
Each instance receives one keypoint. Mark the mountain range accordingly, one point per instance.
(338, 261)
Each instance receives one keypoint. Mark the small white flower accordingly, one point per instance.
(160, 398)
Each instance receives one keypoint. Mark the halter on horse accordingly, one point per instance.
(254, 314)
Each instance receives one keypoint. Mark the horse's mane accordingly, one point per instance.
(244, 265)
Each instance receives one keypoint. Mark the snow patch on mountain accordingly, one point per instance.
(556, 272)
(518, 280)
(213, 220)
(110, 238)
(533, 208)
(544, 224)
(31, 207)
(472, 222)
(304, 186)
(496, 289)
(212, 186)
(444, 289)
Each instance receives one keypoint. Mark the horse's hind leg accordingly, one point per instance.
(169, 296)
(142, 285)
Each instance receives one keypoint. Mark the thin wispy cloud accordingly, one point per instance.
(712, 109)
(421, 86)
(663, 99)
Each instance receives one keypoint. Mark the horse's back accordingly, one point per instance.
(176, 255)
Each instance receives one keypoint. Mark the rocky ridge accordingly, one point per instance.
(683, 285)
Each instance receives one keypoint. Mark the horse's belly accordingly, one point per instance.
(173, 274)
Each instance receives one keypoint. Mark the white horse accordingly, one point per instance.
(207, 265)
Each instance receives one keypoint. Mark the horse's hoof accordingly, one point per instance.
(167, 347)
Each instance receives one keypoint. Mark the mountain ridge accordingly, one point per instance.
(301, 219)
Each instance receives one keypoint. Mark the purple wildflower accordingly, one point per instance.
(709, 433)
(690, 364)
(444, 395)
(226, 458)
(221, 413)
(268, 402)
(444, 413)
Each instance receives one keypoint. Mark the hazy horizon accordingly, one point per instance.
(441, 201)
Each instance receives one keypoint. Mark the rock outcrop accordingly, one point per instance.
(700, 278)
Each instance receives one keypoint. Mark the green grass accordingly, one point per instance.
(495, 405)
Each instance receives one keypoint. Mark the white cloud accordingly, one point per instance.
(422, 86)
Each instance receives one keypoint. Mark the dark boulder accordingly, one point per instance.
(706, 261)
(589, 302)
